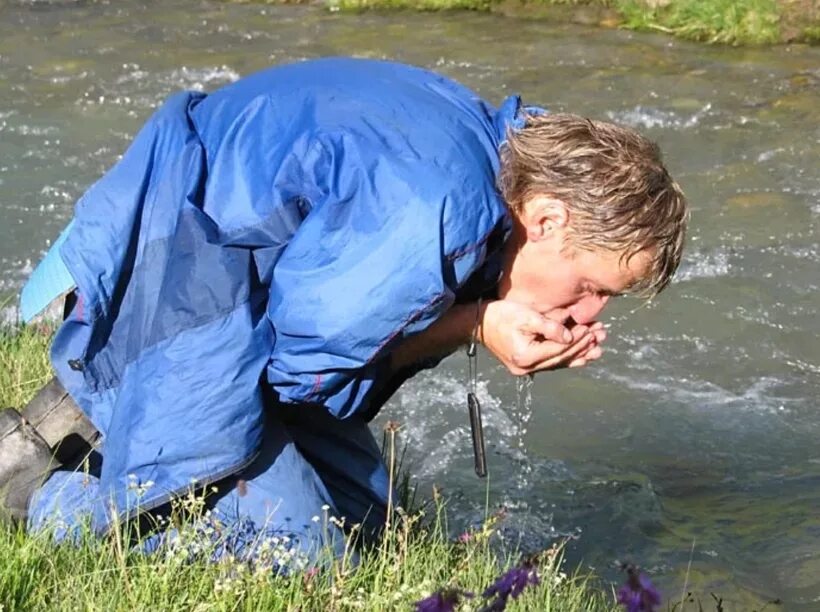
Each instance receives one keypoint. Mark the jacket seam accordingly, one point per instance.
(414, 316)
(469, 249)
(314, 391)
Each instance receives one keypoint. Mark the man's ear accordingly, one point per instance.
(544, 218)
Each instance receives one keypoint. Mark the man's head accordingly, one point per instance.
(596, 214)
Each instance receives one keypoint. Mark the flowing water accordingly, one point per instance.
(697, 436)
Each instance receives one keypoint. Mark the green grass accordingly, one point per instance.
(713, 21)
(811, 34)
(416, 557)
(411, 563)
(418, 5)
(732, 22)
(24, 363)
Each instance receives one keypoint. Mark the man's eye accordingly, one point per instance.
(603, 292)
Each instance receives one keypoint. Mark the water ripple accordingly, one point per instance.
(648, 117)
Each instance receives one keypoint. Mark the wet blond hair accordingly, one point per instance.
(619, 194)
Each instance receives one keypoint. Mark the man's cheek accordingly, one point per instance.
(520, 296)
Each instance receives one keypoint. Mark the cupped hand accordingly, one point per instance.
(526, 341)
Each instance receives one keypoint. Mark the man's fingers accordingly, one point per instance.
(592, 353)
(579, 332)
(538, 354)
(541, 343)
(548, 329)
(551, 360)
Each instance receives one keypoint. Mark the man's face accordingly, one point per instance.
(546, 272)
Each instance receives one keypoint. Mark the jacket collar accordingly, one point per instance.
(512, 115)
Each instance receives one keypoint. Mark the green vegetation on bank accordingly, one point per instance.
(103, 574)
(717, 21)
(24, 363)
(733, 22)
(415, 559)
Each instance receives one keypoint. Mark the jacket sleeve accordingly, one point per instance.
(366, 268)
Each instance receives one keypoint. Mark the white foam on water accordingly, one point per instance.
(202, 78)
(134, 74)
(9, 315)
(138, 88)
(768, 155)
(67, 78)
(703, 395)
(810, 252)
(700, 264)
(528, 489)
(48, 2)
(432, 411)
(759, 316)
(476, 71)
(13, 273)
(433, 402)
(54, 192)
(648, 117)
(34, 130)
(443, 61)
(27, 267)
(803, 366)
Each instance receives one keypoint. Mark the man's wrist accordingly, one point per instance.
(454, 329)
(481, 312)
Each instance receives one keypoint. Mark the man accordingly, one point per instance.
(268, 263)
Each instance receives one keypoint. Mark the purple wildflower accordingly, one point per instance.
(444, 600)
(638, 594)
(510, 585)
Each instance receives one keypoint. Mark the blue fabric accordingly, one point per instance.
(49, 280)
(311, 468)
(284, 233)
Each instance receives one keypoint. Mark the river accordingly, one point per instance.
(692, 447)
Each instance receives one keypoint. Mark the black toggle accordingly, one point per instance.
(477, 429)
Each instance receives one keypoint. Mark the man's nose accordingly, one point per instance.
(587, 309)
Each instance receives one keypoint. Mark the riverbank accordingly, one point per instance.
(102, 574)
(416, 559)
(731, 22)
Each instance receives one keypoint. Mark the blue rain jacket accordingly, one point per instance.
(287, 230)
